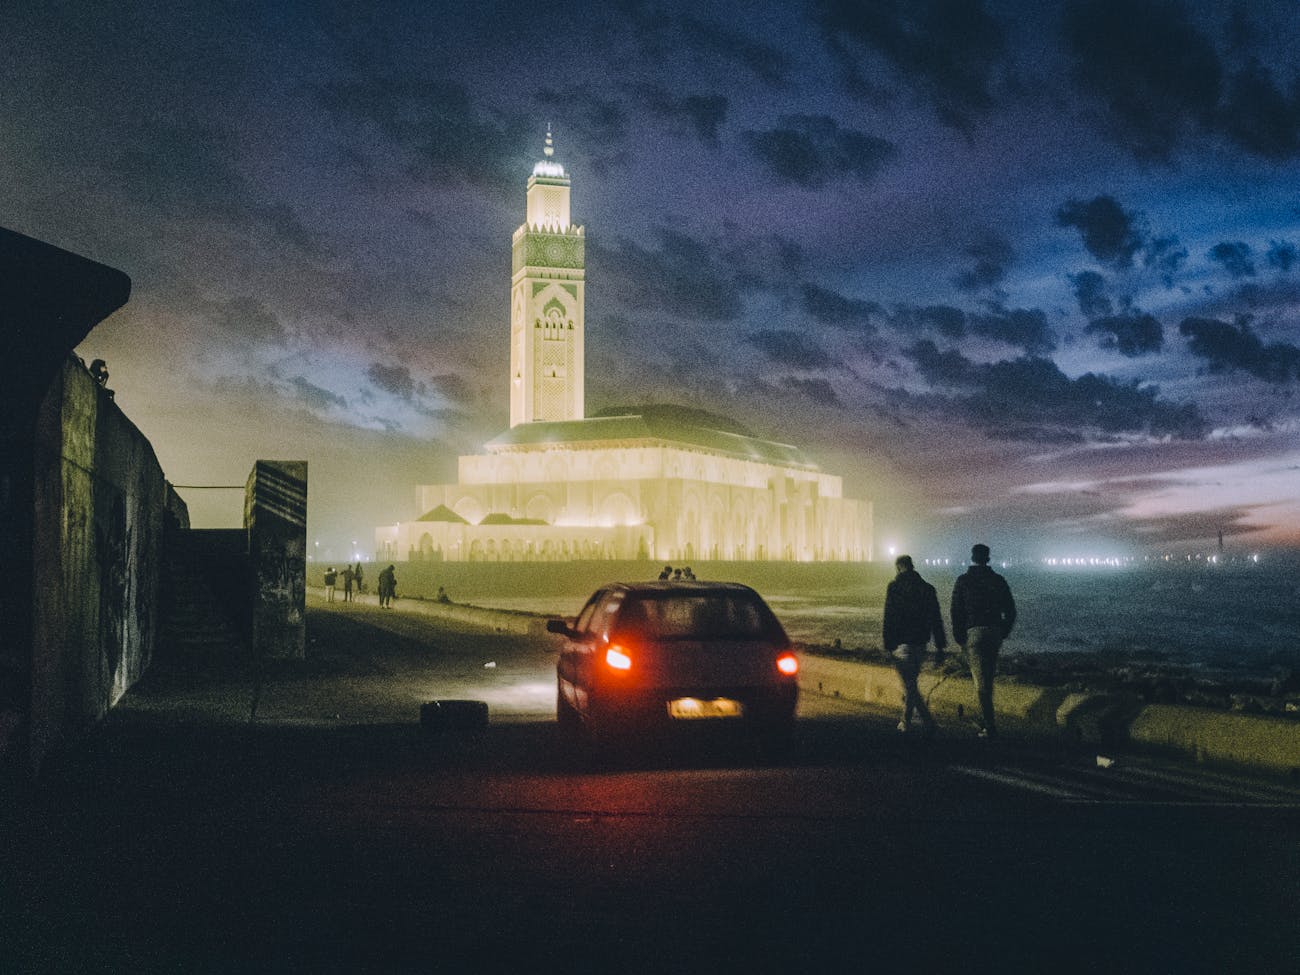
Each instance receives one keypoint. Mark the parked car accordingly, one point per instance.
(663, 654)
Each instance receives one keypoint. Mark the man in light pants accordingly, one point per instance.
(983, 614)
(911, 618)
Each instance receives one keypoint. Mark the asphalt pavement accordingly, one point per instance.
(297, 817)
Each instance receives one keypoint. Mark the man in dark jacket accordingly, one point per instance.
(911, 619)
(983, 614)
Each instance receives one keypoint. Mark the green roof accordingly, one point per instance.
(442, 513)
(650, 428)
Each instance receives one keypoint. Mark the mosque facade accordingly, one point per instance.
(655, 482)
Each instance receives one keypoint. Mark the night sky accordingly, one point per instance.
(1026, 273)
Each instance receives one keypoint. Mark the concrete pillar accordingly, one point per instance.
(275, 515)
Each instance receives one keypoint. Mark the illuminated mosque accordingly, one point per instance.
(655, 482)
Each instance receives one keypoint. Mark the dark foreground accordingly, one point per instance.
(185, 838)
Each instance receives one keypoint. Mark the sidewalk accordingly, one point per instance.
(1109, 721)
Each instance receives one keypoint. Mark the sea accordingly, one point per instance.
(1233, 617)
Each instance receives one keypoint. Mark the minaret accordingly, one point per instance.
(546, 302)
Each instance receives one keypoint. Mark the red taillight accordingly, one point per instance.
(617, 659)
(788, 664)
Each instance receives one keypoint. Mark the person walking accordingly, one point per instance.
(331, 579)
(983, 613)
(359, 577)
(912, 620)
(387, 587)
(348, 576)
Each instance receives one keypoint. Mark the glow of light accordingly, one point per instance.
(788, 664)
(617, 659)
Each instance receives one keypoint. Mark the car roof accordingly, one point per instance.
(679, 586)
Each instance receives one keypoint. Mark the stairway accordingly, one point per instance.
(205, 598)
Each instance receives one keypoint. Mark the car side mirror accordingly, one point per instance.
(558, 626)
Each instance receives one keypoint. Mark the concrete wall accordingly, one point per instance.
(101, 504)
(275, 514)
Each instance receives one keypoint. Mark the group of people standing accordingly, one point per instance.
(354, 581)
(983, 613)
(669, 574)
(352, 576)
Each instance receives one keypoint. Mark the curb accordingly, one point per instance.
(1252, 741)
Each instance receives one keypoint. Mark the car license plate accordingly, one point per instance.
(688, 708)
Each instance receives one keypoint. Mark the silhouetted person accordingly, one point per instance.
(666, 574)
(442, 595)
(360, 578)
(348, 576)
(677, 575)
(912, 620)
(983, 614)
(687, 573)
(331, 580)
(387, 587)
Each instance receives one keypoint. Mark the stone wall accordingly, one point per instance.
(101, 507)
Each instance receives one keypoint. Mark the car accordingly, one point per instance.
(658, 655)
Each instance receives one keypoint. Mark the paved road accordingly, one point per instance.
(333, 834)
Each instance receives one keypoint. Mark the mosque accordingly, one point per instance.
(654, 482)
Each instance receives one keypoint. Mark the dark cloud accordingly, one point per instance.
(1110, 233)
(702, 114)
(950, 51)
(1258, 116)
(819, 391)
(1030, 398)
(1156, 74)
(1226, 347)
(1131, 333)
(315, 397)
(1236, 258)
(765, 263)
(437, 122)
(248, 318)
(1090, 291)
(1281, 255)
(812, 150)
(992, 256)
(945, 320)
(767, 62)
(453, 387)
(834, 309)
(1023, 327)
(592, 119)
(682, 276)
(1165, 256)
(396, 380)
(792, 349)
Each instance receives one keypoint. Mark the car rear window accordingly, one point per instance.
(699, 616)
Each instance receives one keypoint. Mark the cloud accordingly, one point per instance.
(593, 118)
(682, 276)
(1090, 291)
(812, 150)
(1110, 233)
(452, 387)
(767, 62)
(1258, 116)
(392, 379)
(247, 318)
(315, 397)
(946, 320)
(437, 123)
(1031, 398)
(1281, 255)
(1132, 333)
(1023, 327)
(702, 114)
(950, 52)
(792, 349)
(1227, 347)
(992, 256)
(834, 309)
(1235, 257)
(1154, 72)
(820, 391)
(1165, 256)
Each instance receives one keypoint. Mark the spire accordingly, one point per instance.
(549, 166)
